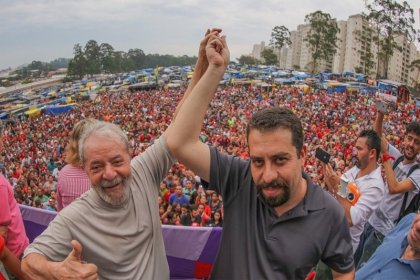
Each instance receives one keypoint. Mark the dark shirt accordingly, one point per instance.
(257, 244)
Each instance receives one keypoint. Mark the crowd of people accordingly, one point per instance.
(247, 148)
(34, 148)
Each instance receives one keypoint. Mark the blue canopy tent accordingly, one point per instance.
(4, 116)
(58, 109)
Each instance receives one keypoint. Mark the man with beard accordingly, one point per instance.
(278, 224)
(366, 176)
(383, 219)
(113, 231)
(107, 233)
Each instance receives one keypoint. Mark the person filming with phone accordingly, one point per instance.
(359, 190)
(403, 184)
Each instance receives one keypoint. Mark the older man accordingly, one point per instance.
(113, 231)
(114, 226)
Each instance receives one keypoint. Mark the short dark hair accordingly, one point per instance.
(373, 141)
(278, 117)
(413, 127)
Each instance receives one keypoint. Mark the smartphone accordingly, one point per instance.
(342, 189)
(322, 155)
(382, 106)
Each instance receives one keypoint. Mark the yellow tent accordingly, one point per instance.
(33, 112)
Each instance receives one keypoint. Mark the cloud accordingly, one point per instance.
(44, 29)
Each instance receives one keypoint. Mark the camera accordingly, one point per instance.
(349, 191)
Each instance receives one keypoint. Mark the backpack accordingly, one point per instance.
(414, 205)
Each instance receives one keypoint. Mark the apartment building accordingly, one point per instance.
(354, 45)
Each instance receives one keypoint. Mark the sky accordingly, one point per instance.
(48, 29)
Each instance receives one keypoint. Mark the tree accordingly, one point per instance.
(249, 60)
(77, 65)
(322, 37)
(92, 55)
(415, 65)
(106, 58)
(269, 56)
(391, 20)
(280, 37)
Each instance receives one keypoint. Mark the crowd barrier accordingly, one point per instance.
(190, 250)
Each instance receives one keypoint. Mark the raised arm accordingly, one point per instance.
(182, 135)
(378, 122)
(200, 67)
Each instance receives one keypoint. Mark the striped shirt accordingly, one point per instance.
(72, 182)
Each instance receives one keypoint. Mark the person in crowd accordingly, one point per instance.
(269, 200)
(178, 197)
(185, 215)
(124, 195)
(50, 185)
(215, 203)
(188, 189)
(73, 180)
(9, 262)
(51, 206)
(366, 176)
(40, 196)
(12, 229)
(216, 220)
(398, 183)
(398, 257)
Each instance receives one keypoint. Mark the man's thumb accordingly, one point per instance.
(76, 253)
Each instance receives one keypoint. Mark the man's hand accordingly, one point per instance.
(331, 179)
(202, 63)
(73, 267)
(217, 51)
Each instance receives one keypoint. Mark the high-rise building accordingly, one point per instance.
(356, 52)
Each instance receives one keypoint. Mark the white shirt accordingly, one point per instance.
(384, 218)
(371, 188)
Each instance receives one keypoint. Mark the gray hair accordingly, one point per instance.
(101, 128)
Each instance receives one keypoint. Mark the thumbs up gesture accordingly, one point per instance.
(74, 268)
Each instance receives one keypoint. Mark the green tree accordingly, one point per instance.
(391, 20)
(106, 57)
(248, 60)
(280, 37)
(269, 56)
(322, 37)
(77, 65)
(92, 55)
(137, 57)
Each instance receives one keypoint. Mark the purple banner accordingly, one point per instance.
(190, 250)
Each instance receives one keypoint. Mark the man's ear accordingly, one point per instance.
(303, 154)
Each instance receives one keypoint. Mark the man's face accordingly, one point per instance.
(362, 153)
(275, 166)
(178, 190)
(108, 167)
(188, 185)
(413, 235)
(200, 209)
(411, 145)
